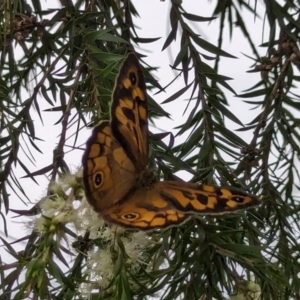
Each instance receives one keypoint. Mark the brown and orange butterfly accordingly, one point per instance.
(117, 182)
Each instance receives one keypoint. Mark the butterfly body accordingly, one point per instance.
(117, 182)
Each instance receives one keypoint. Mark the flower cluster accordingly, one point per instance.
(67, 205)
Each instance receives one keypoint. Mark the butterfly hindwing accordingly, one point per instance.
(145, 209)
(129, 113)
(168, 203)
(204, 199)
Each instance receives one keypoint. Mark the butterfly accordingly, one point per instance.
(118, 184)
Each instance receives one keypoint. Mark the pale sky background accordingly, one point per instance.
(153, 22)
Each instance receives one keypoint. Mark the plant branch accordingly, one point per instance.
(59, 151)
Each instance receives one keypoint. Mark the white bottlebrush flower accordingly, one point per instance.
(87, 219)
(69, 180)
(251, 291)
(135, 245)
(56, 189)
(100, 268)
(65, 216)
(85, 289)
(51, 205)
(39, 225)
(254, 291)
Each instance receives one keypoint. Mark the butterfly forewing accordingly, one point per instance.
(108, 173)
(129, 113)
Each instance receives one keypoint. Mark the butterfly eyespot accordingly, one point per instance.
(98, 179)
(130, 216)
(238, 199)
(132, 77)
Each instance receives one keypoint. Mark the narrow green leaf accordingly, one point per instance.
(177, 94)
(171, 37)
(145, 40)
(104, 56)
(182, 53)
(218, 105)
(205, 150)
(103, 35)
(10, 249)
(210, 47)
(244, 249)
(197, 18)
(257, 93)
(229, 134)
(39, 172)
